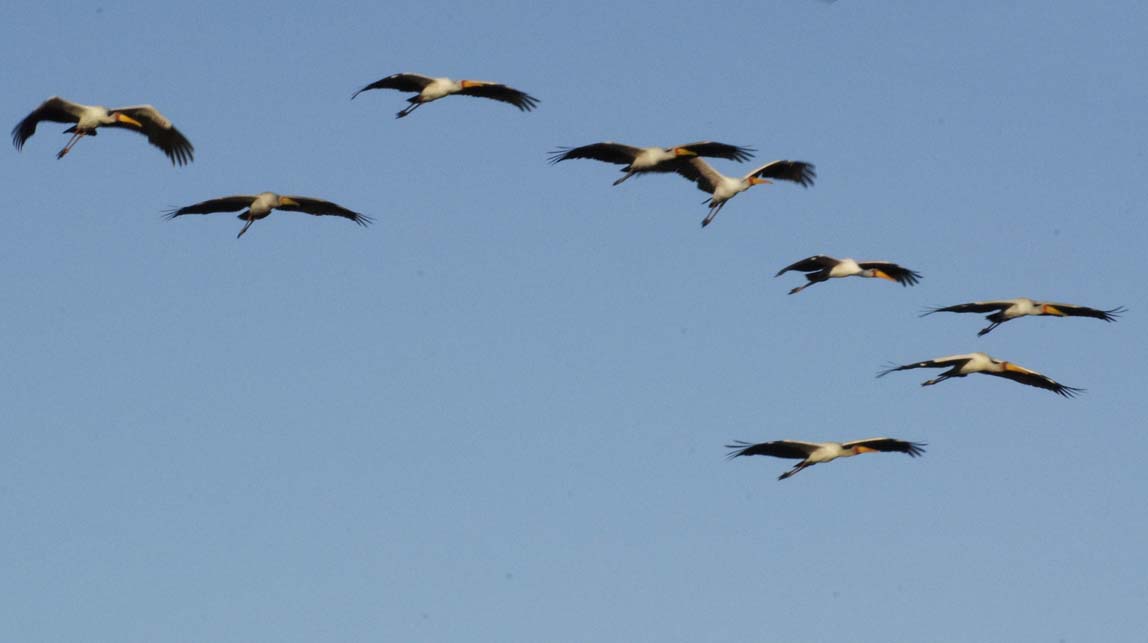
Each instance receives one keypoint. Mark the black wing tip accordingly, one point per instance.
(1110, 315)
(889, 367)
(559, 155)
(808, 173)
(172, 213)
(526, 102)
(910, 278)
(181, 156)
(741, 153)
(1068, 391)
(916, 449)
(738, 448)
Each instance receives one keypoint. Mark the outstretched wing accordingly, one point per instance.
(810, 264)
(701, 173)
(159, 131)
(319, 207)
(55, 109)
(222, 204)
(607, 152)
(403, 82)
(1070, 310)
(1032, 378)
(496, 91)
(791, 449)
(717, 150)
(973, 307)
(914, 449)
(796, 171)
(900, 274)
(940, 362)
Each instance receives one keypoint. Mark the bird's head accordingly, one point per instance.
(681, 151)
(878, 273)
(1049, 309)
(753, 180)
(124, 118)
(467, 84)
(288, 201)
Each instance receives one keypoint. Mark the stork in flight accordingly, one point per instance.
(811, 453)
(819, 268)
(963, 365)
(144, 119)
(722, 188)
(431, 89)
(640, 160)
(259, 206)
(1004, 310)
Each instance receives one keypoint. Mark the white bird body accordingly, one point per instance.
(651, 157)
(829, 451)
(846, 267)
(439, 88)
(1020, 307)
(728, 187)
(975, 363)
(263, 204)
(93, 116)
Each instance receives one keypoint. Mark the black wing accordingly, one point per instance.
(702, 174)
(222, 204)
(403, 82)
(902, 275)
(940, 362)
(495, 91)
(320, 207)
(796, 171)
(1070, 310)
(973, 307)
(810, 264)
(159, 131)
(914, 449)
(607, 152)
(1032, 378)
(713, 149)
(54, 109)
(791, 449)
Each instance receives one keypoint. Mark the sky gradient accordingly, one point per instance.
(498, 413)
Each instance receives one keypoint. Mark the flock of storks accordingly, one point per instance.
(685, 160)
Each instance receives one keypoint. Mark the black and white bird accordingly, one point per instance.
(639, 160)
(811, 453)
(819, 268)
(259, 206)
(431, 89)
(722, 188)
(86, 119)
(962, 365)
(1008, 309)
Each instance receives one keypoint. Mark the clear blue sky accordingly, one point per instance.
(498, 414)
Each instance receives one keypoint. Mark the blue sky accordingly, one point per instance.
(498, 414)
